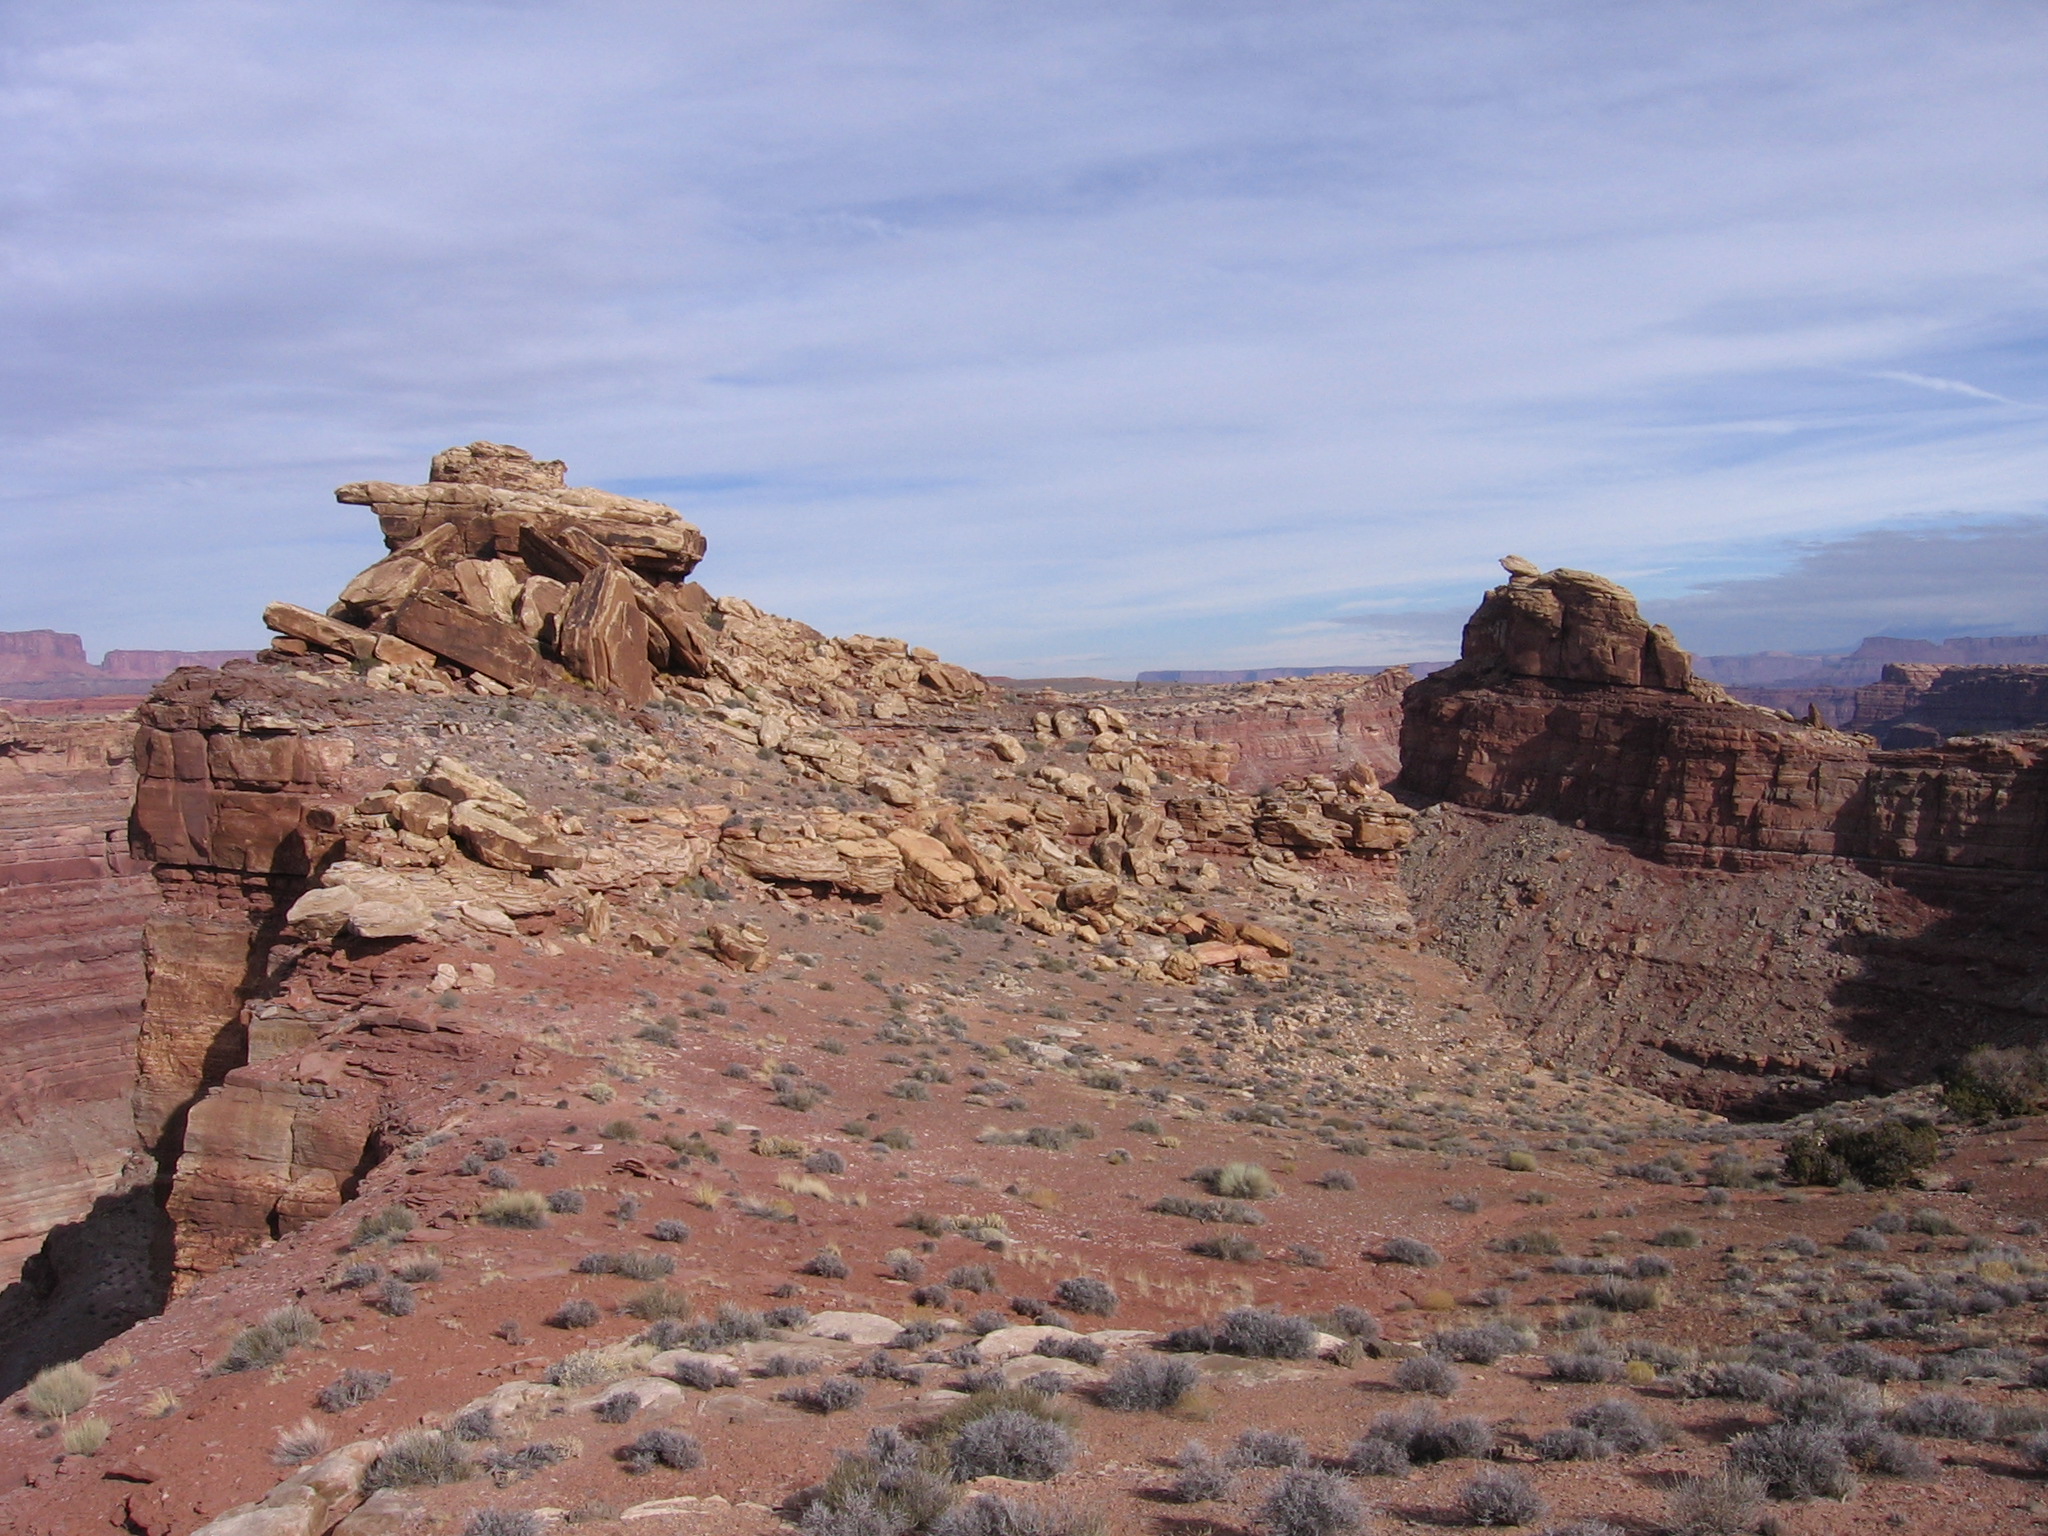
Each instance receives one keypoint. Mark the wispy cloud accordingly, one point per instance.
(1944, 386)
(1148, 332)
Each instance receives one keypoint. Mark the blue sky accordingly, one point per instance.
(1069, 337)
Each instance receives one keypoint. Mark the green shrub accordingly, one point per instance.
(1881, 1157)
(1993, 1084)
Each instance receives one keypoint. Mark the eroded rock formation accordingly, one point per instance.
(1879, 913)
(1567, 704)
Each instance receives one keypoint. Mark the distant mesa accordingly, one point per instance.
(1275, 674)
(47, 666)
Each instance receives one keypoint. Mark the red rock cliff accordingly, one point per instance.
(72, 908)
(1567, 704)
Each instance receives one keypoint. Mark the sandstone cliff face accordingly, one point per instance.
(1263, 733)
(1541, 716)
(1919, 705)
(72, 908)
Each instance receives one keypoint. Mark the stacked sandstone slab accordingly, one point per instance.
(1567, 703)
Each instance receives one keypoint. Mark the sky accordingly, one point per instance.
(1081, 336)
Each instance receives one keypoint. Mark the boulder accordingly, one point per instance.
(422, 813)
(455, 781)
(868, 1328)
(498, 650)
(603, 636)
(508, 839)
(318, 630)
(377, 919)
(743, 948)
(932, 878)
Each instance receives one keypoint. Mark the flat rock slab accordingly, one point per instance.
(686, 1504)
(1024, 1367)
(1008, 1343)
(854, 1327)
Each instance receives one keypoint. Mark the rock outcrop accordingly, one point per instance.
(1916, 704)
(1567, 704)
(1254, 736)
(72, 908)
(1852, 941)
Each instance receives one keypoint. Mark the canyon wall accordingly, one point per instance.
(1294, 728)
(1716, 902)
(73, 904)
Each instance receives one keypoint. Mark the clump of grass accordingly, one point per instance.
(1087, 1295)
(893, 1484)
(84, 1437)
(576, 1312)
(826, 1264)
(1586, 1364)
(835, 1394)
(421, 1458)
(1427, 1373)
(1794, 1461)
(1081, 1351)
(658, 1301)
(1201, 1475)
(596, 1367)
(1411, 1251)
(1619, 1295)
(266, 1343)
(1251, 1331)
(382, 1226)
(1268, 1448)
(1237, 1181)
(59, 1391)
(300, 1443)
(523, 1209)
(1482, 1345)
(1424, 1435)
(566, 1202)
(1236, 1212)
(351, 1389)
(1725, 1504)
(1015, 1443)
(1944, 1416)
(1228, 1246)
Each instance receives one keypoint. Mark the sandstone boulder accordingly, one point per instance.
(455, 781)
(490, 646)
(932, 878)
(507, 839)
(318, 630)
(740, 946)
